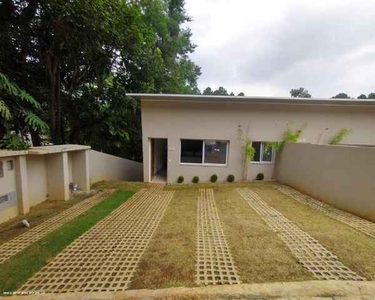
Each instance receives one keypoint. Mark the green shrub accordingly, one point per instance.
(230, 178)
(195, 179)
(214, 178)
(260, 176)
(180, 179)
(340, 136)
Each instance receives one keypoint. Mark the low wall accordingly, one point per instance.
(108, 167)
(339, 175)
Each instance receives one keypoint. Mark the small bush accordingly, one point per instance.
(260, 176)
(195, 179)
(230, 178)
(214, 178)
(180, 179)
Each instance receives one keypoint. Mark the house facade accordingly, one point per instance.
(197, 135)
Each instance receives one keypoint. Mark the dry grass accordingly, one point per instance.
(170, 257)
(354, 249)
(259, 254)
(37, 215)
(119, 185)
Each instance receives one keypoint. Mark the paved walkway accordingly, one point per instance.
(105, 258)
(307, 290)
(362, 225)
(24, 240)
(314, 257)
(215, 264)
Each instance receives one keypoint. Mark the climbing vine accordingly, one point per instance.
(289, 135)
(248, 151)
(339, 136)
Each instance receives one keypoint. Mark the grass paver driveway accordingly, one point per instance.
(105, 257)
(152, 242)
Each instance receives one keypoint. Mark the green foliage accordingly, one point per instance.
(221, 91)
(300, 93)
(341, 96)
(362, 96)
(230, 178)
(16, 110)
(249, 151)
(12, 141)
(289, 135)
(213, 178)
(260, 176)
(195, 179)
(180, 179)
(80, 58)
(339, 136)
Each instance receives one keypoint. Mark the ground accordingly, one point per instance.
(259, 253)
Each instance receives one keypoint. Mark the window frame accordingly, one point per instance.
(203, 153)
(261, 161)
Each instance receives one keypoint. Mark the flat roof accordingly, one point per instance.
(56, 149)
(251, 99)
(8, 153)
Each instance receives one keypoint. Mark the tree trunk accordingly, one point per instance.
(55, 115)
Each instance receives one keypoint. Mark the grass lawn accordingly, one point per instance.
(353, 248)
(15, 271)
(170, 257)
(37, 215)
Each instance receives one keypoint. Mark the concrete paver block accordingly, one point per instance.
(362, 225)
(215, 264)
(14, 246)
(105, 258)
(314, 257)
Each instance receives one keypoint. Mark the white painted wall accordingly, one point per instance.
(339, 175)
(8, 185)
(37, 178)
(108, 167)
(264, 122)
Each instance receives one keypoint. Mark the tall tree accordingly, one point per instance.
(72, 54)
(342, 96)
(362, 96)
(371, 96)
(300, 93)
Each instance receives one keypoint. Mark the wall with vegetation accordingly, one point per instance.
(108, 167)
(339, 175)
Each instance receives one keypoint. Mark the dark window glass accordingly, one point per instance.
(10, 165)
(215, 152)
(256, 146)
(267, 153)
(1, 169)
(191, 151)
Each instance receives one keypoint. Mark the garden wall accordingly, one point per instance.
(339, 175)
(108, 167)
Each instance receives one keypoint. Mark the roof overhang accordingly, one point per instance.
(251, 99)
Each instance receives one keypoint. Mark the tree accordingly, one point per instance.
(221, 91)
(341, 96)
(208, 91)
(17, 111)
(241, 94)
(300, 93)
(371, 96)
(362, 96)
(71, 55)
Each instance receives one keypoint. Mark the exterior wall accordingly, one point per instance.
(8, 185)
(339, 175)
(108, 167)
(58, 176)
(263, 122)
(70, 167)
(37, 179)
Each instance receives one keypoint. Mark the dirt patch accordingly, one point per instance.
(259, 254)
(354, 249)
(120, 185)
(37, 215)
(170, 257)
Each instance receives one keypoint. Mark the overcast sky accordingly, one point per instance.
(268, 47)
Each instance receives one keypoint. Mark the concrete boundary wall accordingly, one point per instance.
(342, 176)
(108, 167)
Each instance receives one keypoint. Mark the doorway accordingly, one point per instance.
(159, 157)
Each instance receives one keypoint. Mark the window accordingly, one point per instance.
(1, 169)
(263, 153)
(209, 152)
(10, 165)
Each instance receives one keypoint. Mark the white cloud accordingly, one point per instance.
(269, 47)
